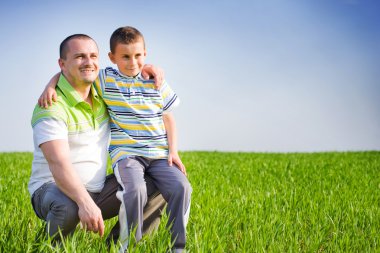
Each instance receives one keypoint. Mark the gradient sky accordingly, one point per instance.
(265, 76)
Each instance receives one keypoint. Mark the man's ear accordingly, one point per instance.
(112, 57)
(61, 63)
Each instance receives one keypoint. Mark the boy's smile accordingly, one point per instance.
(129, 58)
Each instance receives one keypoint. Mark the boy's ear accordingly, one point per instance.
(112, 58)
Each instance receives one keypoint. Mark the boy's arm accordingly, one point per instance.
(49, 94)
(171, 132)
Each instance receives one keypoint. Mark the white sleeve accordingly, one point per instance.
(174, 105)
(48, 130)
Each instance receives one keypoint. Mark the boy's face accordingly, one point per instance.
(129, 58)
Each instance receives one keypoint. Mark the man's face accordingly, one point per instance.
(129, 58)
(81, 64)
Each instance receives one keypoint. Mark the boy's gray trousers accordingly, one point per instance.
(170, 182)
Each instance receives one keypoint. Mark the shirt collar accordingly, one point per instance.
(136, 77)
(71, 94)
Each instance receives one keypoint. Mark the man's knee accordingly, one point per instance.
(62, 215)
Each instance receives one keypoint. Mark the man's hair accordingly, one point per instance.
(125, 35)
(63, 48)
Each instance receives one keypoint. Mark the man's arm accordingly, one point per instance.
(57, 155)
(171, 131)
(148, 71)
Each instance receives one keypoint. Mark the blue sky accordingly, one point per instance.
(265, 76)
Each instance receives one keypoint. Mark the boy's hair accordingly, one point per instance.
(125, 35)
(63, 48)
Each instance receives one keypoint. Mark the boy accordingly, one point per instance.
(143, 138)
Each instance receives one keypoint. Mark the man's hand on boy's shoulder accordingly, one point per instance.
(150, 71)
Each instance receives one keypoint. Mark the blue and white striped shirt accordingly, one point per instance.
(135, 108)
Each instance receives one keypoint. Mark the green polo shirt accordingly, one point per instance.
(86, 129)
(72, 109)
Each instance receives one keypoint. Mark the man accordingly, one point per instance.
(68, 183)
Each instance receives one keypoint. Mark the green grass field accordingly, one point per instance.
(241, 202)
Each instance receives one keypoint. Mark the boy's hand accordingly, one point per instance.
(174, 158)
(157, 73)
(47, 97)
(49, 94)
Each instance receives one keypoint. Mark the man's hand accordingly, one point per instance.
(157, 73)
(91, 217)
(174, 158)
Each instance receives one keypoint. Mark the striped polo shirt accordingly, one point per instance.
(136, 109)
(86, 129)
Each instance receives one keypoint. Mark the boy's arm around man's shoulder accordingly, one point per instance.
(49, 95)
